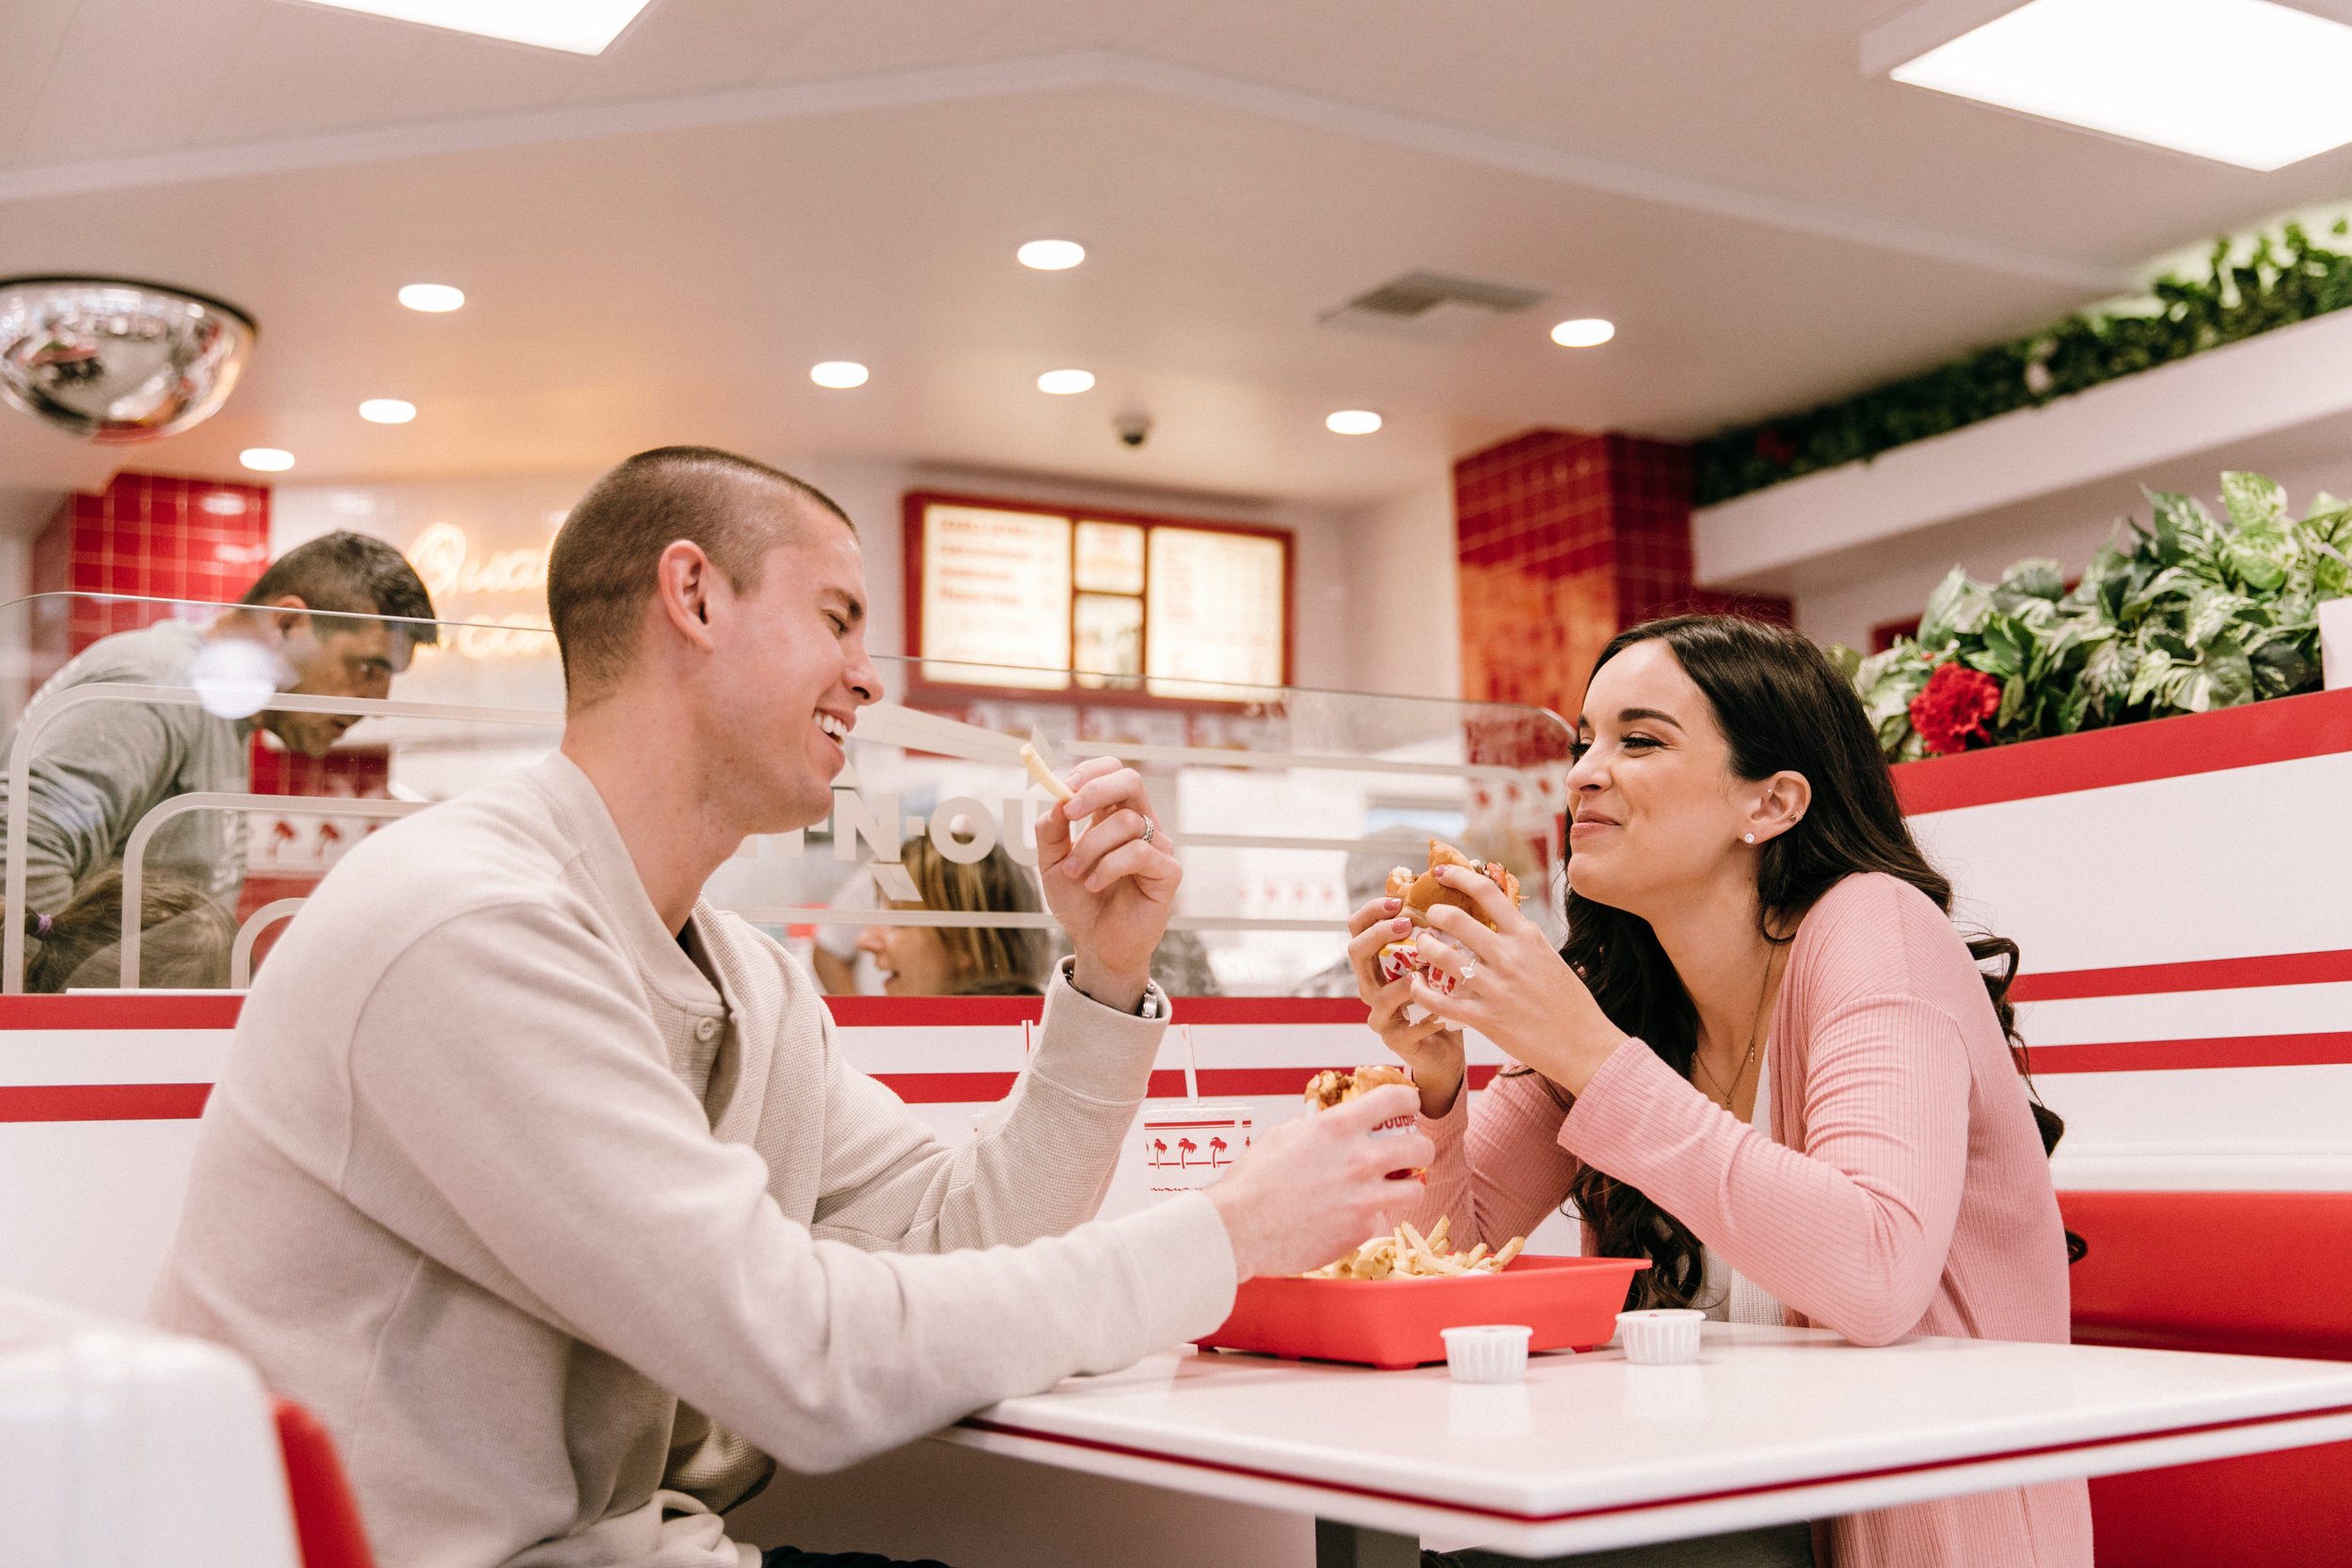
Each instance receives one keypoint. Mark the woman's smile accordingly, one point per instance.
(1590, 825)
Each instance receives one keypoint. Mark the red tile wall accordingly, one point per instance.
(1563, 540)
(354, 773)
(152, 536)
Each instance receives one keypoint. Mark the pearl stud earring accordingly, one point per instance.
(1747, 838)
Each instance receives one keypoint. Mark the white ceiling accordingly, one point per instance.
(658, 242)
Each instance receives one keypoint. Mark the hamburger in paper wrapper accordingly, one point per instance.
(1421, 892)
(1332, 1088)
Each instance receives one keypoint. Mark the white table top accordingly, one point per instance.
(1771, 1425)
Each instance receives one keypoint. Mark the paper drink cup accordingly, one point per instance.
(1187, 1147)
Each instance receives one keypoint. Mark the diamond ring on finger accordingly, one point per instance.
(1151, 829)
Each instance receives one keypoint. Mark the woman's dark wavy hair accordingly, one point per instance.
(1782, 705)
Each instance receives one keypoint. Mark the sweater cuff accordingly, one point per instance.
(1096, 1050)
(1186, 1260)
(1448, 1130)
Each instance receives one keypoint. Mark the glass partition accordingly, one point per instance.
(205, 765)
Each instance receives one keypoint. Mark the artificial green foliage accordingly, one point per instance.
(2193, 613)
(2283, 280)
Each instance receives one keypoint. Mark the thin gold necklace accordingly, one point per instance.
(1755, 1033)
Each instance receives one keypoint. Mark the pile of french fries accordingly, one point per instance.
(1407, 1253)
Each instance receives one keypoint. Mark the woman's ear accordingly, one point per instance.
(1780, 806)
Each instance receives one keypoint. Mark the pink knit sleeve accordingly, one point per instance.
(1500, 1170)
(1853, 1230)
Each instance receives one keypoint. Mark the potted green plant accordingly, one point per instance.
(2187, 613)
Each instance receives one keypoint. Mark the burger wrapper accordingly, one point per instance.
(1400, 959)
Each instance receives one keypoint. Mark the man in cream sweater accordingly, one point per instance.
(544, 1184)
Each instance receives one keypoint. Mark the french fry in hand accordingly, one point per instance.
(1044, 775)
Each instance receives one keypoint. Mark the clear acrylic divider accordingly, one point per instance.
(208, 767)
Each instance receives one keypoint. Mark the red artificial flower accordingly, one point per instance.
(1952, 713)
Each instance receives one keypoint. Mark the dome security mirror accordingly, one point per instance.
(115, 361)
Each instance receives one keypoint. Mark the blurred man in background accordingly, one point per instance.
(100, 768)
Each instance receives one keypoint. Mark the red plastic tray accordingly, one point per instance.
(1393, 1324)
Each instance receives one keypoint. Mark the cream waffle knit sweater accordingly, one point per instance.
(502, 1187)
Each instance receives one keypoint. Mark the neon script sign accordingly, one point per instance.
(445, 559)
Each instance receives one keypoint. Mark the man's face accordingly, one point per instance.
(333, 657)
(791, 673)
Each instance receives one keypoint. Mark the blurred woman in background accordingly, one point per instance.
(963, 960)
(184, 937)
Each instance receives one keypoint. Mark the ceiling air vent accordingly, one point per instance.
(1432, 307)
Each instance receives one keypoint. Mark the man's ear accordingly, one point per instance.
(684, 581)
(290, 607)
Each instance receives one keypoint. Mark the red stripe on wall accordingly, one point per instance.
(2267, 969)
(2175, 1056)
(2282, 730)
(931, 1012)
(980, 1088)
(180, 1010)
(947, 1088)
(1270, 1009)
(175, 1011)
(921, 1012)
(102, 1101)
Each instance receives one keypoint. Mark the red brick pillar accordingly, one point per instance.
(1564, 540)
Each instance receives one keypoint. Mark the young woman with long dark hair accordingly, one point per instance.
(1765, 1060)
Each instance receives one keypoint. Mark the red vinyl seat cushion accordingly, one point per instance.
(326, 1516)
(2246, 1274)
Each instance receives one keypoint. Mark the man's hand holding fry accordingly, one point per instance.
(1112, 886)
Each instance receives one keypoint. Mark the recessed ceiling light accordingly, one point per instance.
(1584, 332)
(575, 27)
(1052, 255)
(2242, 82)
(1352, 422)
(266, 460)
(432, 298)
(839, 374)
(387, 411)
(1063, 383)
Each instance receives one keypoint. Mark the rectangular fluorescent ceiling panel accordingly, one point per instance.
(575, 27)
(2242, 82)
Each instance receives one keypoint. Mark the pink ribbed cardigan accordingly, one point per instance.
(1904, 1192)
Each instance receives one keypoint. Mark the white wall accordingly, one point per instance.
(1358, 576)
(1403, 631)
(1891, 580)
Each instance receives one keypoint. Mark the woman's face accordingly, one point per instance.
(912, 960)
(1658, 811)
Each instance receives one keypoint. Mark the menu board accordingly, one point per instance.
(1010, 596)
(995, 591)
(1214, 607)
(1110, 558)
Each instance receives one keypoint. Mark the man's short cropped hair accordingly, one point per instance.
(601, 571)
(351, 573)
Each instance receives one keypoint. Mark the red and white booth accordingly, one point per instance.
(2176, 888)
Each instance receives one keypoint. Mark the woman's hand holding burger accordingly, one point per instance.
(1508, 985)
(1432, 1050)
